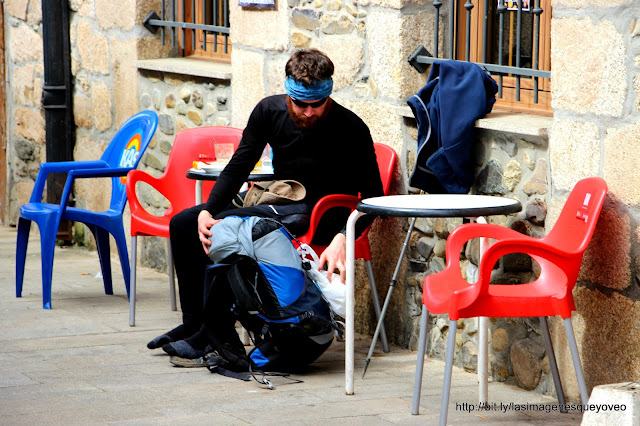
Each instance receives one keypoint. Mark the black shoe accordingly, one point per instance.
(182, 349)
(177, 333)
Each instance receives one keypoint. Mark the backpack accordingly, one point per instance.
(283, 310)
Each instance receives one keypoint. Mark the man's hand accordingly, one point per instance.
(205, 222)
(335, 256)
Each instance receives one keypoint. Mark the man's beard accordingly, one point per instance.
(304, 122)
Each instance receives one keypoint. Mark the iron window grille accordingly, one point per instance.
(200, 26)
(508, 38)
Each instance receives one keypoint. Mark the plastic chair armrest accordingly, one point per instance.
(466, 232)
(60, 167)
(87, 173)
(534, 247)
(159, 184)
(326, 203)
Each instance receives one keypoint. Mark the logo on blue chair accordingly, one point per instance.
(130, 154)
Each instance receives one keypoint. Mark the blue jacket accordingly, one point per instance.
(456, 95)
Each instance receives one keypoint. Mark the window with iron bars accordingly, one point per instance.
(511, 39)
(200, 28)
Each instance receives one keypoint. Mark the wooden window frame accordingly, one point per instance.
(508, 99)
(219, 55)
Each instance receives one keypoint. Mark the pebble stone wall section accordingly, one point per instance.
(181, 102)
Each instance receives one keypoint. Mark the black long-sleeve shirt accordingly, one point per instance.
(335, 157)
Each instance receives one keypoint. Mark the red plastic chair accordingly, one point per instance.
(559, 255)
(386, 158)
(179, 191)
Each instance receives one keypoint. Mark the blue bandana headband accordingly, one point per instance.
(317, 89)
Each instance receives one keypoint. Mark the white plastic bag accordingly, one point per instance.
(334, 291)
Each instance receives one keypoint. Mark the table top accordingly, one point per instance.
(439, 205)
(196, 174)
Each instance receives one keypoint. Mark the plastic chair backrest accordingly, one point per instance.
(126, 149)
(386, 158)
(579, 216)
(187, 145)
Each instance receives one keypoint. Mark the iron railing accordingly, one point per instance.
(490, 45)
(212, 21)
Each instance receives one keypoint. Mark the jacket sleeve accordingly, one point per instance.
(240, 165)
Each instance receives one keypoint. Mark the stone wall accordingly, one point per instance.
(25, 126)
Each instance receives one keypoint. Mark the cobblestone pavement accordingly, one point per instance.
(81, 363)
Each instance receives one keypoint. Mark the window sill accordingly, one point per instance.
(187, 66)
(506, 121)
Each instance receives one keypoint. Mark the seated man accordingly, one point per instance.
(316, 142)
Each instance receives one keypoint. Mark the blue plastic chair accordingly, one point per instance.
(122, 155)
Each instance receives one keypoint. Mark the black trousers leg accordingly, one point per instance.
(190, 262)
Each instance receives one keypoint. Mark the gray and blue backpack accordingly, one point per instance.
(284, 311)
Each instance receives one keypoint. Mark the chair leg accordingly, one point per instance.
(376, 305)
(172, 281)
(132, 282)
(552, 362)
(446, 385)
(47, 250)
(123, 253)
(102, 244)
(24, 227)
(422, 348)
(577, 365)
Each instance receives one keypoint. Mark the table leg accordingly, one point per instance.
(349, 338)
(198, 192)
(483, 338)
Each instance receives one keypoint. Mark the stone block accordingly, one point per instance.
(247, 84)
(500, 340)
(83, 7)
(621, 147)
(125, 79)
(120, 14)
(93, 49)
(574, 152)
(16, 8)
(389, 50)
(29, 124)
(101, 100)
(512, 174)
(151, 47)
(581, 77)
(526, 359)
(274, 25)
(337, 24)
(538, 183)
(307, 19)
(25, 45)
(385, 125)
(300, 40)
(607, 260)
(82, 111)
(490, 179)
(34, 13)
(22, 85)
(618, 403)
(275, 78)
(347, 54)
